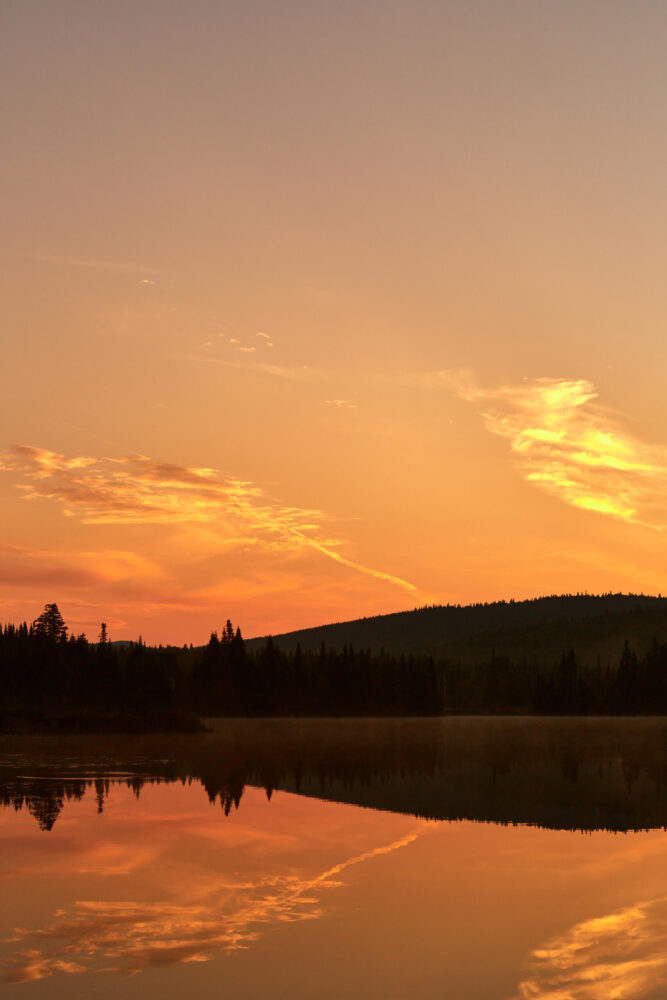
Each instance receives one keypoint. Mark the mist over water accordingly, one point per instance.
(577, 774)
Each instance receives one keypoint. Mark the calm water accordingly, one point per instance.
(464, 858)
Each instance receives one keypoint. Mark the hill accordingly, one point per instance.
(537, 630)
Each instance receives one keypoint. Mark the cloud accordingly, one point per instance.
(248, 350)
(34, 965)
(567, 444)
(622, 955)
(34, 568)
(101, 265)
(267, 340)
(293, 373)
(46, 463)
(127, 936)
(140, 490)
(341, 404)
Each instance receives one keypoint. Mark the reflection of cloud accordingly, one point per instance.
(622, 955)
(569, 446)
(140, 490)
(130, 936)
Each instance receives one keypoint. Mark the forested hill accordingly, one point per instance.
(538, 629)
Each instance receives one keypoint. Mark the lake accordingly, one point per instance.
(380, 859)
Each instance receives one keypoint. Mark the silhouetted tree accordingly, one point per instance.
(50, 624)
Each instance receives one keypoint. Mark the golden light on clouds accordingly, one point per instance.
(138, 490)
(226, 543)
(620, 956)
(566, 443)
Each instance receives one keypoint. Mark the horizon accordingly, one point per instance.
(216, 627)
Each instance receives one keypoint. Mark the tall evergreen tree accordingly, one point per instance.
(50, 624)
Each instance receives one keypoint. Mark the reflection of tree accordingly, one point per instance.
(46, 809)
(43, 799)
(572, 774)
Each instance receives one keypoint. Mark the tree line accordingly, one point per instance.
(44, 668)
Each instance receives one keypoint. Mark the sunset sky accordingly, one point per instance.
(320, 310)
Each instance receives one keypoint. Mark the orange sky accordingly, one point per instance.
(313, 311)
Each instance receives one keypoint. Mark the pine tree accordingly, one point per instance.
(50, 624)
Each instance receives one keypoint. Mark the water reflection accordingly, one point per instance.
(622, 954)
(171, 884)
(130, 936)
(577, 774)
(161, 855)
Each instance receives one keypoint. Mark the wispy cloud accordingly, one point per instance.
(35, 568)
(293, 373)
(131, 936)
(139, 490)
(566, 443)
(341, 404)
(99, 264)
(622, 954)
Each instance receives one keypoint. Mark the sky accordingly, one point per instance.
(312, 311)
